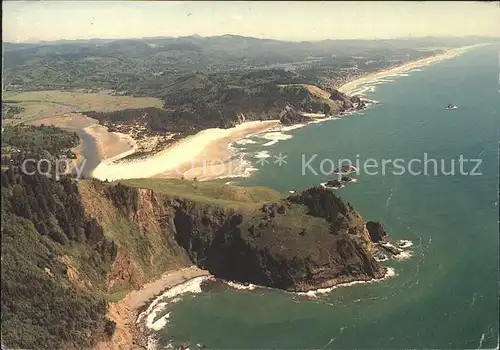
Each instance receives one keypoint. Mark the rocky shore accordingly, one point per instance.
(273, 244)
(386, 249)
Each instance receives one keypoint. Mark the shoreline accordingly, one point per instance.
(210, 145)
(146, 323)
(211, 150)
(126, 311)
(350, 87)
(219, 159)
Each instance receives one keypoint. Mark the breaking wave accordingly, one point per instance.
(159, 305)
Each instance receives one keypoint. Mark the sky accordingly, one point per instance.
(25, 21)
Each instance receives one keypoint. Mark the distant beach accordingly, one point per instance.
(208, 154)
(350, 87)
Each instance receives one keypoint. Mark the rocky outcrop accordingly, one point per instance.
(376, 230)
(333, 183)
(290, 116)
(357, 102)
(306, 241)
(347, 102)
(345, 169)
(120, 237)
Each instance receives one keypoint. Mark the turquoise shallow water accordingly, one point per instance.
(446, 295)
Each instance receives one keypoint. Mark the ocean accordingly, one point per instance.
(446, 294)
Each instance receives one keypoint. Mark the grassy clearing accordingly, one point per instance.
(85, 101)
(48, 104)
(208, 191)
(318, 95)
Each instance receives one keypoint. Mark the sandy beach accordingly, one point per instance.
(125, 312)
(214, 160)
(110, 145)
(204, 155)
(350, 87)
(207, 154)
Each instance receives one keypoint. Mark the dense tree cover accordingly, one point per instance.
(145, 66)
(43, 221)
(35, 138)
(9, 111)
(199, 101)
(21, 142)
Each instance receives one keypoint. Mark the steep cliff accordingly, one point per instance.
(208, 102)
(69, 248)
(273, 244)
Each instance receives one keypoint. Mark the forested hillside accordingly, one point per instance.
(69, 248)
(54, 264)
(144, 66)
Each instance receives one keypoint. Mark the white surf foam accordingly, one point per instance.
(390, 245)
(360, 92)
(240, 286)
(270, 143)
(323, 184)
(168, 297)
(371, 102)
(381, 258)
(378, 82)
(245, 142)
(243, 170)
(405, 243)
(403, 255)
(276, 136)
(390, 272)
(292, 127)
(167, 160)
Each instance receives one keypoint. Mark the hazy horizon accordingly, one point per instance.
(290, 21)
(35, 41)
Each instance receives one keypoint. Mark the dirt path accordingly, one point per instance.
(125, 312)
